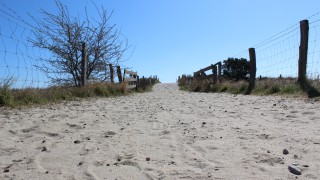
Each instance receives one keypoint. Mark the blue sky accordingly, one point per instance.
(174, 37)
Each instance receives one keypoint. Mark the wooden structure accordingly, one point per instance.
(132, 80)
(303, 54)
(111, 73)
(210, 78)
(119, 74)
(253, 70)
(129, 77)
(84, 65)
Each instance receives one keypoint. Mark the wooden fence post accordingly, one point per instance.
(219, 72)
(119, 74)
(138, 82)
(214, 71)
(124, 76)
(111, 73)
(84, 65)
(303, 54)
(253, 69)
(141, 81)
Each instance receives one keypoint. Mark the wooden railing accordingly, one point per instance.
(132, 80)
(210, 78)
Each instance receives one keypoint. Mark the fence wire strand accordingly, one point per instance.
(313, 69)
(19, 58)
(279, 55)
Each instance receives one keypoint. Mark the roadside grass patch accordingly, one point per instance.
(267, 86)
(32, 96)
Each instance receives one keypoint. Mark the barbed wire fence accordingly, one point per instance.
(20, 61)
(313, 65)
(278, 55)
(275, 54)
(290, 56)
(18, 58)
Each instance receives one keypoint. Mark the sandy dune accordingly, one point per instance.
(164, 134)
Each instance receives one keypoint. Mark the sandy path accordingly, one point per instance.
(164, 134)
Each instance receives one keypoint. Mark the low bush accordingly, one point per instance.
(6, 97)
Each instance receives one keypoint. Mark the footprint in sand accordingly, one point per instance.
(87, 148)
(108, 134)
(268, 159)
(75, 126)
(156, 125)
(30, 129)
(50, 134)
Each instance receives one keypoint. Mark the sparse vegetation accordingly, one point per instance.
(36, 96)
(32, 96)
(267, 86)
(5, 94)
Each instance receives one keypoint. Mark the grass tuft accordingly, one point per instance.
(6, 97)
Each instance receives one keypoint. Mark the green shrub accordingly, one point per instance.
(111, 90)
(243, 88)
(6, 97)
(273, 90)
(101, 91)
(291, 89)
(224, 88)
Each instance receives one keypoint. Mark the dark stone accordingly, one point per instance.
(44, 149)
(294, 169)
(285, 151)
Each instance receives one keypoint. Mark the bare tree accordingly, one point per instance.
(64, 35)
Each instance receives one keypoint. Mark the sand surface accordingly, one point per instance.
(164, 134)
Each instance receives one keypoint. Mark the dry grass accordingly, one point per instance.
(270, 86)
(31, 96)
(267, 86)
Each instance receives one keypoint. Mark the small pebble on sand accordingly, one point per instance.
(294, 169)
